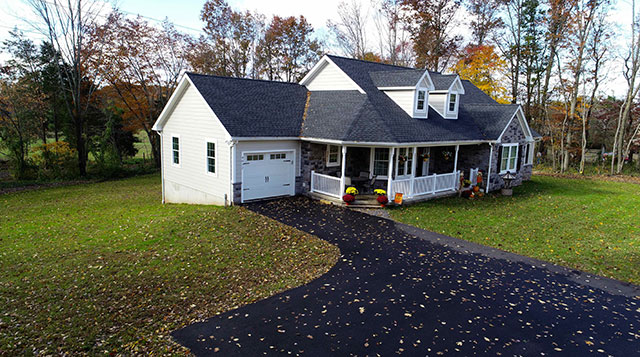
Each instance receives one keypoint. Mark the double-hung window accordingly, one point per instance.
(333, 155)
(404, 161)
(509, 158)
(421, 101)
(211, 157)
(452, 102)
(381, 162)
(175, 148)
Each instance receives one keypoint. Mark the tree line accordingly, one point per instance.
(76, 99)
(551, 56)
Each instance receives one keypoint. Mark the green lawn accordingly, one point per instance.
(589, 225)
(105, 268)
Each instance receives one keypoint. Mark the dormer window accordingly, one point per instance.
(420, 103)
(452, 102)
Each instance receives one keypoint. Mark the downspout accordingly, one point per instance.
(162, 164)
(486, 190)
(233, 170)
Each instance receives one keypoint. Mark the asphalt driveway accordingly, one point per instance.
(398, 289)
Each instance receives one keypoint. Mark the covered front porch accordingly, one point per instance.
(417, 172)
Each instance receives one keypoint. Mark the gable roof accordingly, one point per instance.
(253, 108)
(442, 81)
(374, 117)
(258, 108)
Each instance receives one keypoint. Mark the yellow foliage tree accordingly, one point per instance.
(482, 66)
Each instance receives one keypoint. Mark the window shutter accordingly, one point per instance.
(499, 158)
(519, 157)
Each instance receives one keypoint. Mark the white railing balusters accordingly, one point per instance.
(325, 184)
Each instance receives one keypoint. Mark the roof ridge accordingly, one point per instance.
(373, 62)
(242, 79)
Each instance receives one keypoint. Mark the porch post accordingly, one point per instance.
(342, 168)
(390, 172)
(455, 162)
(488, 178)
(414, 165)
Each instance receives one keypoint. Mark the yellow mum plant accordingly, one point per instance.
(352, 191)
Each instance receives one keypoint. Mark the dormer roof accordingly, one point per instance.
(400, 78)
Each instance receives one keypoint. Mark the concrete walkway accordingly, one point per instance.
(399, 289)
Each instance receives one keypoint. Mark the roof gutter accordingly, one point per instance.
(397, 144)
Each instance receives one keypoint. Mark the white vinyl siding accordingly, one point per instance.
(509, 160)
(438, 101)
(403, 98)
(330, 77)
(194, 122)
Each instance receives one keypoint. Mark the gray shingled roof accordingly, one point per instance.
(442, 81)
(376, 117)
(254, 107)
(397, 78)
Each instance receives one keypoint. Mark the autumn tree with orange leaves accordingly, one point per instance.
(484, 68)
(142, 65)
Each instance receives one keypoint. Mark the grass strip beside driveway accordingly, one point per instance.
(588, 225)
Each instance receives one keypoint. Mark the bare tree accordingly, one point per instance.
(631, 69)
(597, 54)
(395, 41)
(582, 21)
(556, 22)
(510, 43)
(351, 29)
(66, 26)
(486, 19)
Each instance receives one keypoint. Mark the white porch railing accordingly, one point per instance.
(426, 184)
(325, 184)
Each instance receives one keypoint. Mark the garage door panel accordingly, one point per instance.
(271, 176)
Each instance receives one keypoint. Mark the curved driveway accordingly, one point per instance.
(398, 289)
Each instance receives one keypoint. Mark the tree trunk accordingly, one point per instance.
(155, 147)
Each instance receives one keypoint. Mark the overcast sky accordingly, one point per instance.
(185, 14)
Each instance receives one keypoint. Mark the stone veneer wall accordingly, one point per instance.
(513, 134)
(473, 156)
(313, 159)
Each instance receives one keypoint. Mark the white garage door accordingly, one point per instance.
(267, 175)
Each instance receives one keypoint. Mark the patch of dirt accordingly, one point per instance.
(614, 178)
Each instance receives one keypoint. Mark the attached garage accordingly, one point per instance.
(268, 174)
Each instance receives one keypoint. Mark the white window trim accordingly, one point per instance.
(449, 102)
(206, 156)
(426, 101)
(179, 164)
(515, 169)
(530, 148)
(372, 158)
(339, 162)
(406, 164)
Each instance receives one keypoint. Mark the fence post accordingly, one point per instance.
(435, 180)
(313, 172)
